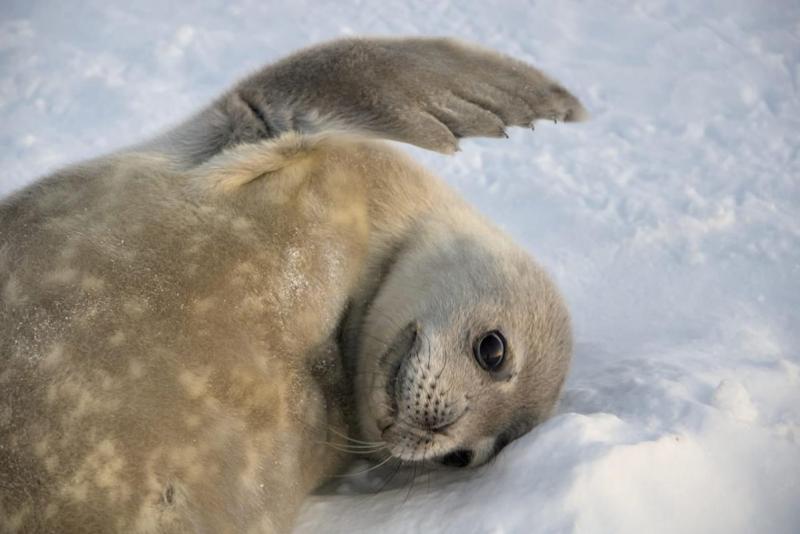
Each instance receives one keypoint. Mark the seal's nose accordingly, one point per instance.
(424, 399)
(422, 394)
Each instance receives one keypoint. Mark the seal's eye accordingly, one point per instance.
(490, 350)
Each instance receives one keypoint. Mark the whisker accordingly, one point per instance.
(354, 440)
(397, 469)
(411, 483)
(356, 448)
(349, 451)
(345, 475)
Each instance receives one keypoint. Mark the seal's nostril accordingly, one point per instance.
(443, 426)
(403, 346)
(457, 458)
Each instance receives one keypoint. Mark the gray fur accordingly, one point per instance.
(423, 91)
(189, 328)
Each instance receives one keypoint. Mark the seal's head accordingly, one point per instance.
(464, 348)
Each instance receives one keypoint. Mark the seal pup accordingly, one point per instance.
(197, 331)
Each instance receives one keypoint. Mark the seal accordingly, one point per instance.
(197, 331)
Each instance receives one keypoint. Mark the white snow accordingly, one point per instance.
(671, 221)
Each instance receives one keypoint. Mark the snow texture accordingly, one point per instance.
(671, 221)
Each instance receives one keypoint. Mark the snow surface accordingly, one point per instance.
(671, 221)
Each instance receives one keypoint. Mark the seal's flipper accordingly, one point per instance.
(425, 91)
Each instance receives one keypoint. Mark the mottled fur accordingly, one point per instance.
(186, 324)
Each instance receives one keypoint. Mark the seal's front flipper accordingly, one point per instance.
(423, 91)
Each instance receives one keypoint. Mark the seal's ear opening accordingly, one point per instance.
(243, 164)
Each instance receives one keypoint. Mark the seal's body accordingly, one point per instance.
(190, 328)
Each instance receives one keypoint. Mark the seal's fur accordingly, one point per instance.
(188, 328)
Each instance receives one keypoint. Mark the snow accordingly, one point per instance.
(671, 221)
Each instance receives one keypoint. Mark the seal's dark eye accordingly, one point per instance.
(490, 350)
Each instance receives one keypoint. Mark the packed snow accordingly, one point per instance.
(671, 221)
